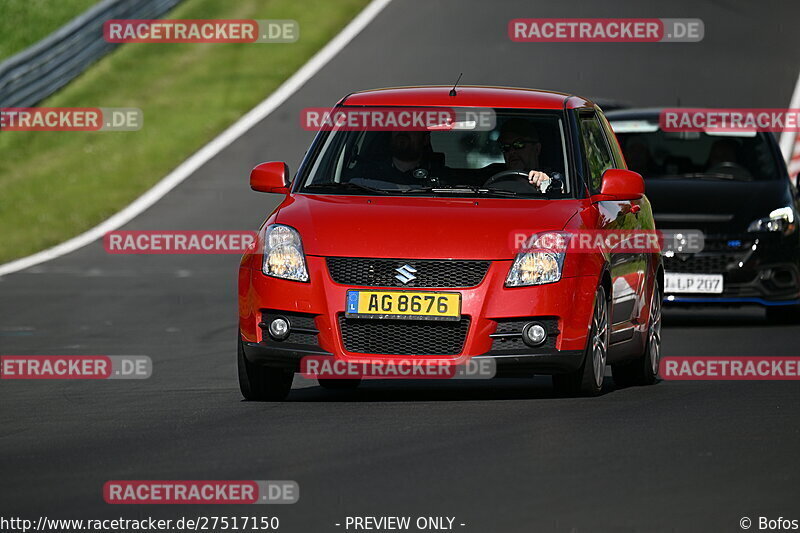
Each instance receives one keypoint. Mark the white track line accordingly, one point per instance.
(188, 167)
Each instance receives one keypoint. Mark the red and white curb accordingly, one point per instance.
(790, 141)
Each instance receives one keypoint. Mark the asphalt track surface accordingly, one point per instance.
(501, 456)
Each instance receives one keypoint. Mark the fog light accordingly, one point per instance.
(534, 334)
(279, 328)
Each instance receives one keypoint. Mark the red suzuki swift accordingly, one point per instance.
(439, 225)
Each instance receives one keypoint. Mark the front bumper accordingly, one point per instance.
(493, 311)
(761, 269)
(289, 356)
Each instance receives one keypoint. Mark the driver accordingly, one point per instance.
(410, 161)
(722, 151)
(520, 144)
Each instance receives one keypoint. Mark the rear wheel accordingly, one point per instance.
(588, 379)
(644, 369)
(340, 384)
(262, 383)
(783, 314)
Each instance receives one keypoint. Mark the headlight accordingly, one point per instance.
(283, 253)
(540, 262)
(782, 220)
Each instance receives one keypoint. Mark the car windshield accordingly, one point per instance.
(656, 154)
(462, 159)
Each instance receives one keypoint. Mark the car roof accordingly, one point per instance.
(467, 96)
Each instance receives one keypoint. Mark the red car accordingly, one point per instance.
(452, 241)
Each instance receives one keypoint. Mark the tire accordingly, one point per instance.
(339, 384)
(644, 369)
(783, 314)
(588, 379)
(262, 383)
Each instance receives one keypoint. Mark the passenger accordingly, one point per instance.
(410, 161)
(638, 156)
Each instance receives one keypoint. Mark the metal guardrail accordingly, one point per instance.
(32, 75)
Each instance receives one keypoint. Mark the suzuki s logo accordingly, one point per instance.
(405, 273)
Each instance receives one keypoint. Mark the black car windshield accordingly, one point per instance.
(462, 158)
(656, 154)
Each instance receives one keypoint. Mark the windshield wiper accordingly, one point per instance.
(493, 190)
(456, 190)
(461, 190)
(442, 190)
(346, 185)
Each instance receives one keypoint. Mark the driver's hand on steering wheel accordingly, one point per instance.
(539, 179)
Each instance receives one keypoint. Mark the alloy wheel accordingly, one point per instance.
(600, 339)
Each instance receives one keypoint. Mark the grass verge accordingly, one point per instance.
(23, 22)
(54, 185)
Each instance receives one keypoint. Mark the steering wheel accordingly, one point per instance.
(732, 169)
(515, 175)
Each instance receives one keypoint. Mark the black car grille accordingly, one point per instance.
(439, 273)
(516, 325)
(714, 243)
(701, 263)
(302, 327)
(403, 337)
(721, 253)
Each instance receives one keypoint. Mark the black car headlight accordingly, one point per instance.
(783, 220)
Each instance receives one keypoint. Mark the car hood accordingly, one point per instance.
(714, 206)
(415, 228)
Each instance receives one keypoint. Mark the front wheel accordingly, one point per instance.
(262, 383)
(588, 379)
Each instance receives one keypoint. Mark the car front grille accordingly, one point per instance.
(438, 273)
(717, 243)
(502, 340)
(403, 337)
(701, 263)
(721, 253)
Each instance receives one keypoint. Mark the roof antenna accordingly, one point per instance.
(453, 90)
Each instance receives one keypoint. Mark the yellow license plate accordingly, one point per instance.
(404, 304)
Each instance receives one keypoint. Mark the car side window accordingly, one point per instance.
(613, 143)
(595, 150)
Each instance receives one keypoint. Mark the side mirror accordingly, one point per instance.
(270, 177)
(620, 184)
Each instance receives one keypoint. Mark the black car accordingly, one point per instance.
(736, 190)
